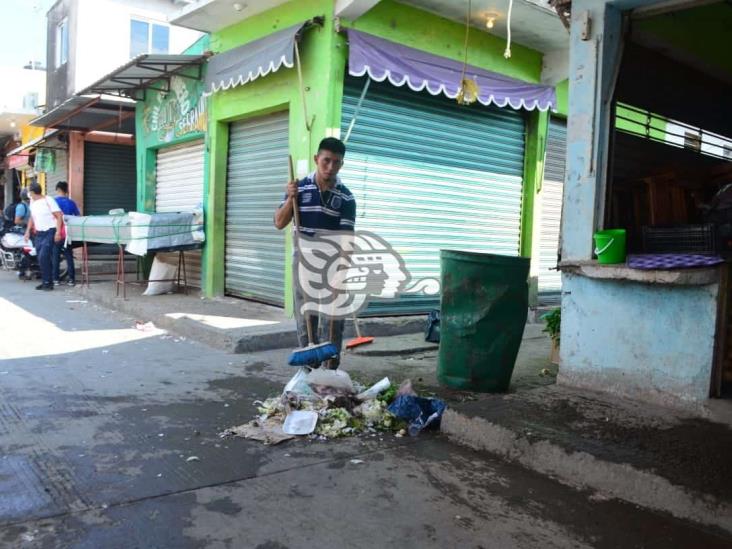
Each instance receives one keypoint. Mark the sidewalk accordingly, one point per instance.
(229, 324)
(650, 456)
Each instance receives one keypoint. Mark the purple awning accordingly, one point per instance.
(382, 59)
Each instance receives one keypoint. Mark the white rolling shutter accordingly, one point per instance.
(179, 187)
(256, 179)
(550, 216)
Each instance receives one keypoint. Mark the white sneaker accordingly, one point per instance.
(57, 283)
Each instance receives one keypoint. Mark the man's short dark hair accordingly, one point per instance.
(333, 145)
(63, 187)
(35, 187)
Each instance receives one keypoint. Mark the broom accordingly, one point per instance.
(313, 353)
(359, 339)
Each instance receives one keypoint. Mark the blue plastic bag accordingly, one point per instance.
(419, 412)
(432, 330)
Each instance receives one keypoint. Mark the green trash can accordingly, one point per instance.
(485, 301)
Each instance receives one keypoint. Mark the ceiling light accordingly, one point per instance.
(490, 20)
(12, 123)
(238, 6)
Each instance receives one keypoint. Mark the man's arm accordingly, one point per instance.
(19, 219)
(283, 214)
(29, 228)
(59, 224)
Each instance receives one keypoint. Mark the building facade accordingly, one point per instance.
(95, 144)
(437, 174)
(660, 334)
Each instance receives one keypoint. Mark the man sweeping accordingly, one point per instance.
(325, 205)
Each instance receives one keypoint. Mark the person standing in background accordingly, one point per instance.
(68, 207)
(46, 221)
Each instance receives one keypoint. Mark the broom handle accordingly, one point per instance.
(355, 325)
(296, 238)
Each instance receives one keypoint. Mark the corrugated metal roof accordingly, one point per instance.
(91, 113)
(146, 71)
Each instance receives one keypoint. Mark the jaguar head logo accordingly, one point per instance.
(339, 272)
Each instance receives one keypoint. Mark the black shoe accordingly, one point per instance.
(45, 287)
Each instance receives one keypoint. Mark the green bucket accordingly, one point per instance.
(610, 246)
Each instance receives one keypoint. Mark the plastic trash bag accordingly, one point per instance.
(375, 390)
(432, 330)
(420, 413)
(330, 382)
(298, 386)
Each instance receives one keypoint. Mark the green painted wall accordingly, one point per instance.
(681, 30)
(324, 54)
(641, 123)
(562, 90)
(167, 119)
(323, 59)
(537, 130)
(419, 29)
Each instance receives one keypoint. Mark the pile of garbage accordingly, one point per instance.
(326, 404)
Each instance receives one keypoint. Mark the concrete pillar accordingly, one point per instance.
(76, 168)
(595, 52)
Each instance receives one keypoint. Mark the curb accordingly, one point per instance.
(581, 470)
(255, 341)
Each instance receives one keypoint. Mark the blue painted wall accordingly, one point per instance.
(639, 340)
(592, 65)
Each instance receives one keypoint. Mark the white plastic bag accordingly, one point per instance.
(299, 387)
(336, 379)
(375, 390)
(161, 270)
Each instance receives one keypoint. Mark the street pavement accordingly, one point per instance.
(109, 438)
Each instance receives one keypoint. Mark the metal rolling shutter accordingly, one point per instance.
(179, 187)
(110, 179)
(110, 182)
(256, 177)
(429, 174)
(550, 280)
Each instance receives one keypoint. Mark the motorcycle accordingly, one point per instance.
(11, 248)
(20, 255)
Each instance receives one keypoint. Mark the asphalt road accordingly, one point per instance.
(98, 421)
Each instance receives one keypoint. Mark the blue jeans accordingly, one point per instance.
(44, 248)
(58, 249)
(320, 327)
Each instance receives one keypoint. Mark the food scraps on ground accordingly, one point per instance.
(343, 409)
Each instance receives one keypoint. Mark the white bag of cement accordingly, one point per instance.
(161, 270)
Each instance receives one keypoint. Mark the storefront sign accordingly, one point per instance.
(17, 161)
(182, 111)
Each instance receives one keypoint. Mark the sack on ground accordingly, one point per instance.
(161, 271)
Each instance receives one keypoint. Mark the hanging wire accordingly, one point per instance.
(468, 90)
(507, 53)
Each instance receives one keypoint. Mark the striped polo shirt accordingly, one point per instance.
(332, 210)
